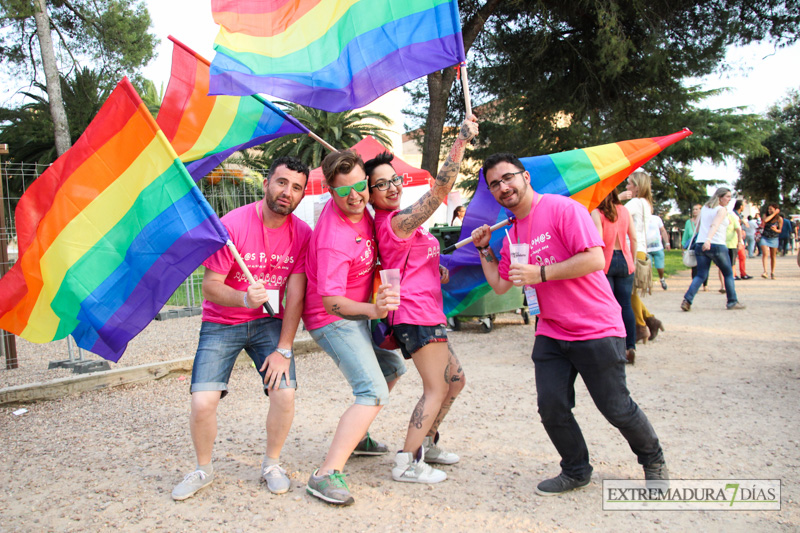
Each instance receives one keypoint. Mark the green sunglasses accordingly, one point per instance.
(344, 190)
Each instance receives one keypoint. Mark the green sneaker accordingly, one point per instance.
(331, 488)
(367, 446)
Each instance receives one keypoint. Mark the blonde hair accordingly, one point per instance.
(641, 179)
(714, 200)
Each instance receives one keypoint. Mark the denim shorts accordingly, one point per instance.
(411, 337)
(768, 242)
(366, 367)
(220, 345)
(657, 258)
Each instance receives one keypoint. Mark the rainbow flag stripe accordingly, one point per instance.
(586, 175)
(106, 234)
(205, 130)
(334, 55)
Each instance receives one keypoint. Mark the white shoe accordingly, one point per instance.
(193, 482)
(275, 476)
(434, 454)
(407, 469)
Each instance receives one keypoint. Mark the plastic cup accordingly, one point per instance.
(391, 276)
(519, 253)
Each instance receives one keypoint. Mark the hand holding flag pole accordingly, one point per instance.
(247, 274)
(468, 240)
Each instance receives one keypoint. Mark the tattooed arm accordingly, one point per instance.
(410, 218)
(348, 309)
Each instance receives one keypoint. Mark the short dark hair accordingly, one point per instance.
(738, 204)
(292, 163)
(384, 158)
(502, 157)
(340, 163)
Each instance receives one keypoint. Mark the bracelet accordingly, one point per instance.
(245, 300)
(541, 273)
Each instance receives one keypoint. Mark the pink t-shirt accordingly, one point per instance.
(340, 261)
(420, 287)
(287, 255)
(572, 309)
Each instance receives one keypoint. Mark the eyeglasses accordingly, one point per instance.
(344, 190)
(395, 180)
(505, 178)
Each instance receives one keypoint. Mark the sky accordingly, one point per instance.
(759, 74)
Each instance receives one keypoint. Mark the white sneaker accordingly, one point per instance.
(407, 469)
(191, 484)
(275, 476)
(434, 454)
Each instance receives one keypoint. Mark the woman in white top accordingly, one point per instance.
(641, 209)
(710, 246)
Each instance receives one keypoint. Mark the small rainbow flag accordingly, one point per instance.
(586, 175)
(333, 55)
(106, 234)
(204, 129)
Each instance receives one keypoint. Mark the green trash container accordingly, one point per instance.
(446, 235)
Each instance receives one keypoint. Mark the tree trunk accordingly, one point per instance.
(439, 84)
(57, 111)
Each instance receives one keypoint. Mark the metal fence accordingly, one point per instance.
(225, 190)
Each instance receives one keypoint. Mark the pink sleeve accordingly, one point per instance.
(302, 238)
(578, 232)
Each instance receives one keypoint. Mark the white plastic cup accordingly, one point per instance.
(391, 276)
(519, 253)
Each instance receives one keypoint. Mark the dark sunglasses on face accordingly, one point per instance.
(344, 190)
(384, 185)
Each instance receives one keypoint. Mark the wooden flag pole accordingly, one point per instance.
(246, 271)
(465, 85)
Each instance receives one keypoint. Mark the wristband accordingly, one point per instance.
(245, 300)
(541, 273)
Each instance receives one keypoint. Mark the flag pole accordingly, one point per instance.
(465, 85)
(468, 240)
(246, 271)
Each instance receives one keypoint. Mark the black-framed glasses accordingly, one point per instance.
(505, 178)
(395, 180)
(344, 190)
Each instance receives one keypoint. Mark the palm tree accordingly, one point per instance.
(341, 130)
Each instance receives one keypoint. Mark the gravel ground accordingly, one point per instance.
(721, 389)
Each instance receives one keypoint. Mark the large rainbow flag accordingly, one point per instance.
(204, 129)
(333, 55)
(106, 234)
(586, 175)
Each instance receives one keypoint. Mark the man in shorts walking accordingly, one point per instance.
(272, 243)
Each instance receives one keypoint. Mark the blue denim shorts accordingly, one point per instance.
(411, 337)
(220, 345)
(366, 367)
(768, 242)
(657, 258)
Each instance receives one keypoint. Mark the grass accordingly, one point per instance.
(673, 262)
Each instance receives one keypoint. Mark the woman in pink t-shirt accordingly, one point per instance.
(419, 322)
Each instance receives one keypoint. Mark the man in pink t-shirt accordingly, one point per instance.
(340, 265)
(579, 329)
(272, 243)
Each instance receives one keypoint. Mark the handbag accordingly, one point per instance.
(643, 275)
(689, 257)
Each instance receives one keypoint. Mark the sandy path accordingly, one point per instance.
(721, 389)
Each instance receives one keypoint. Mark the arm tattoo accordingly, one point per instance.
(337, 311)
(417, 417)
(410, 218)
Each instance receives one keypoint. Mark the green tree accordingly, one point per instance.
(560, 75)
(341, 130)
(775, 175)
(110, 35)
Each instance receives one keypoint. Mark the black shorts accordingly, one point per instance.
(411, 337)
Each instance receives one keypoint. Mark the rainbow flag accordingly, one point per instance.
(333, 55)
(106, 234)
(586, 175)
(204, 129)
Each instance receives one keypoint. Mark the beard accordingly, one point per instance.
(275, 207)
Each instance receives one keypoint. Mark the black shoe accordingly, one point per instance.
(656, 476)
(560, 484)
(736, 278)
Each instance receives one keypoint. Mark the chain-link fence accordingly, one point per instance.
(225, 190)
